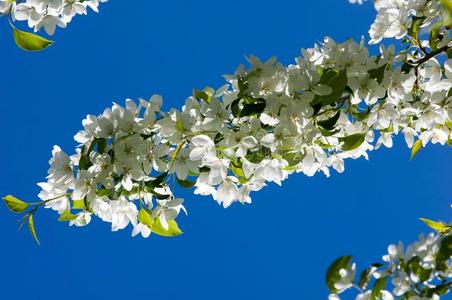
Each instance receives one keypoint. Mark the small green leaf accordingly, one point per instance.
(102, 145)
(449, 122)
(416, 148)
(413, 31)
(157, 195)
(173, 228)
(14, 204)
(243, 84)
(380, 285)
(438, 290)
(186, 183)
(293, 158)
(31, 227)
(202, 95)
(67, 216)
(252, 107)
(145, 217)
(257, 156)
(84, 162)
(157, 182)
(329, 133)
(378, 73)
(330, 123)
(444, 253)
(30, 41)
(104, 192)
(438, 226)
(237, 170)
(414, 266)
(352, 141)
(180, 125)
(336, 80)
(235, 108)
(78, 204)
(433, 39)
(447, 4)
(366, 275)
(332, 274)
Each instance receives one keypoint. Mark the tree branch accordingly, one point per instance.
(433, 54)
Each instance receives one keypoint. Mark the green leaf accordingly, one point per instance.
(332, 274)
(243, 84)
(337, 80)
(316, 107)
(173, 228)
(104, 192)
(413, 31)
(352, 141)
(438, 226)
(84, 162)
(157, 182)
(180, 125)
(444, 253)
(329, 133)
(447, 4)
(78, 204)
(433, 39)
(414, 266)
(416, 148)
(236, 169)
(330, 123)
(380, 284)
(185, 183)
(378, 73)
(257, 156)
(158, 196)
(67, 216)
(30, 41)
(31, 227)
(102, 145)
(449, 122)
(14, 204)
(438, 290)
(235, 108)
(364, 278)
(406, 67)
(366, 275)
(253, 107)
(293, 158)
(202, 95)
(145, 217)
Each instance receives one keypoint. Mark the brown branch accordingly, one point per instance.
(432, 54)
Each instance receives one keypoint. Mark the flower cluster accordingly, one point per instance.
(267, 122)
(119, 152)
(422, 271)
(395, 17)
(47, 14)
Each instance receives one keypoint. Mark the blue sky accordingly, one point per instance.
(277, 248)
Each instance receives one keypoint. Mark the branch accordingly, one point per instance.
(433, 54)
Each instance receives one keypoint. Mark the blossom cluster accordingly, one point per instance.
(336, 102)
(47, 14)
(422, 271)
(395, 17)
(267, 122)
